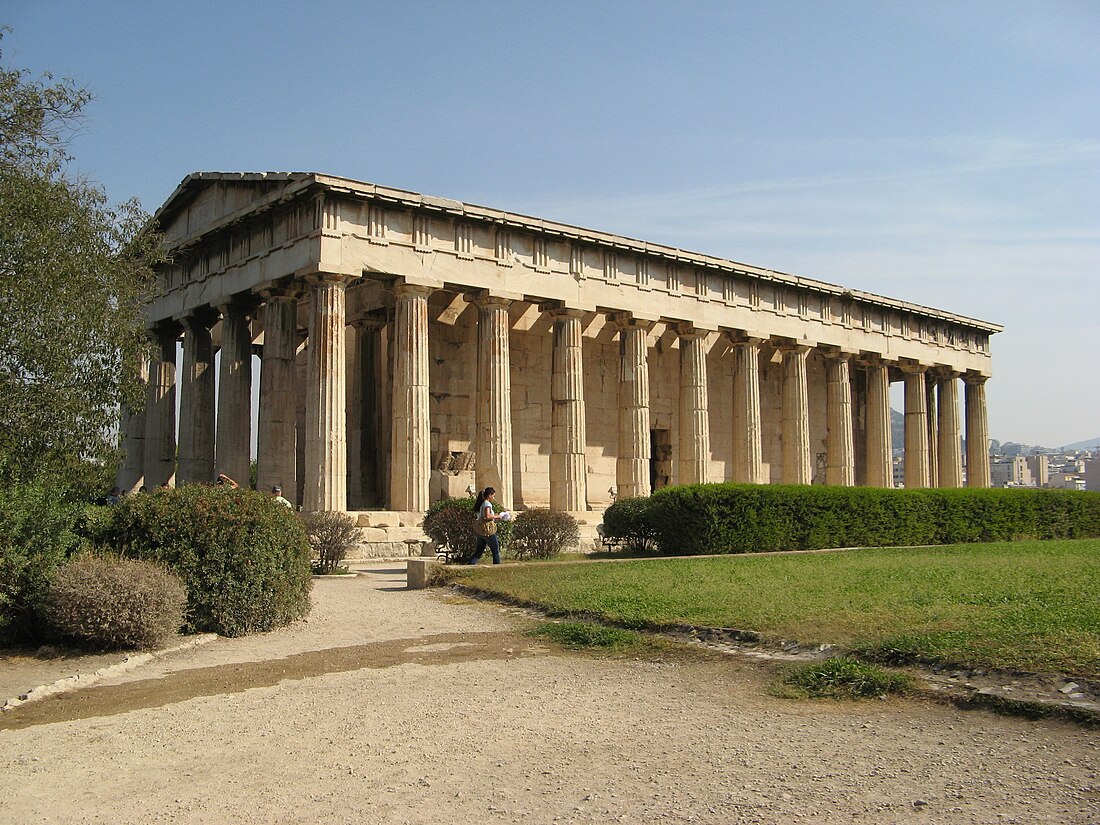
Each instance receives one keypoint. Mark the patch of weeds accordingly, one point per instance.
(335, 571)
(842, 678)
(586, 636)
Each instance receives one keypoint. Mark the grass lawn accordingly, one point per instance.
(1029, 605)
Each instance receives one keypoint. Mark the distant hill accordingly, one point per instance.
(1090, 444)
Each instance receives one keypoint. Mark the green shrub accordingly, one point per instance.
(243, 556)
(845, 678)
(36, 536)
(629, 520)
(331, 535)
(112, 602)
(739, 518)
(539, 533)
(450, 523)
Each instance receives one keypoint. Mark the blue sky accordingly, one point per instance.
(944, 153)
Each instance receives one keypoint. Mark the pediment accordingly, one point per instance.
(205, 200)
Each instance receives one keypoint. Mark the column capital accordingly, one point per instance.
(328, 278)
(557, 310)
(874, 359)
(246, 303)
(911, 367)
(943, 373)
(744, 337)
(628, 320)
(975, 378)
(686, 330)
(165, 331)
(370, 321)
(484, 298)
(402, 289)
(786, 345)
(201, 317)
(290, 289)
(833, 353)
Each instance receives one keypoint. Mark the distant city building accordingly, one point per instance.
(1066, 481)
(1039, 466)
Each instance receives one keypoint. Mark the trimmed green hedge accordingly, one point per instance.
(243, 556)
(748, 518)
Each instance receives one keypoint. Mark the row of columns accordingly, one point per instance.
(932, 437)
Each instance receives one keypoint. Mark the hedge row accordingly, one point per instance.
(745, 518)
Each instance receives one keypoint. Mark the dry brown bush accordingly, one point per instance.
(113, 602)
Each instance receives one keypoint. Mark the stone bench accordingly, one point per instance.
(419, 571)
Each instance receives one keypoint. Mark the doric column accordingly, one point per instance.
(880, 471)
(950, 451)
(235, 392)
(365, 445)
(326, 479)
(160, 408)
(632, 465)
(568, 463)
(276, 463)
(747, 428)
(131, 472)
(840, 467)
(932, 415)
(694, 417)
(916, 428)
(797, 466)
(977, 432)
(196, 457)
(494, 398)
(410, 453)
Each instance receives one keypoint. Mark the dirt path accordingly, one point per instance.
(414, 707)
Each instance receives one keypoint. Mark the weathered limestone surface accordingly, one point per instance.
(632, 466)
(326, 475)
(950, 447)
(411, 445)
(160, 409)
(694, 418)
(879, 451)
(277, 436)
(196, 447)
(977, 433)
(916, 429)
(796, 417)
(234, 429)
(131, 473)
(840, 466)
(568, 478)
(494, 399)
(747, 429)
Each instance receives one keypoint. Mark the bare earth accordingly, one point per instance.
(402, 706)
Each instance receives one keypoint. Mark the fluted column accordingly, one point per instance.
(797, 466)
(326, 479)
(977, 432)
(916, 428)
(748, 462)
(494, 398)
(235, 392)
(131, 472)
(932, 414)
(196, 456)
(632, 464)
(840, 467)
(950, 450)
(410, 464)
(694, 417)
(160, 408)
(365, 446)
(276, 460)
(568, 462)
(880, 471)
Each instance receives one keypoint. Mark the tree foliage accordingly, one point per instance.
(74, 271)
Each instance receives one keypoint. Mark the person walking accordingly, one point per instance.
(486, 526)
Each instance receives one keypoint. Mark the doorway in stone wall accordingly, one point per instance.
(660, 459)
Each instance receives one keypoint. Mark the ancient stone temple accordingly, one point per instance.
(412, 347)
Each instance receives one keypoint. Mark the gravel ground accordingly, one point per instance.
(416, 707)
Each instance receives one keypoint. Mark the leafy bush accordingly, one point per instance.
(845, 678)
(243, 556)
(450, 523)
(629, 520)
(36, 536)
(331, 536)
(113, 602)
(541, 534)
(745, 518)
